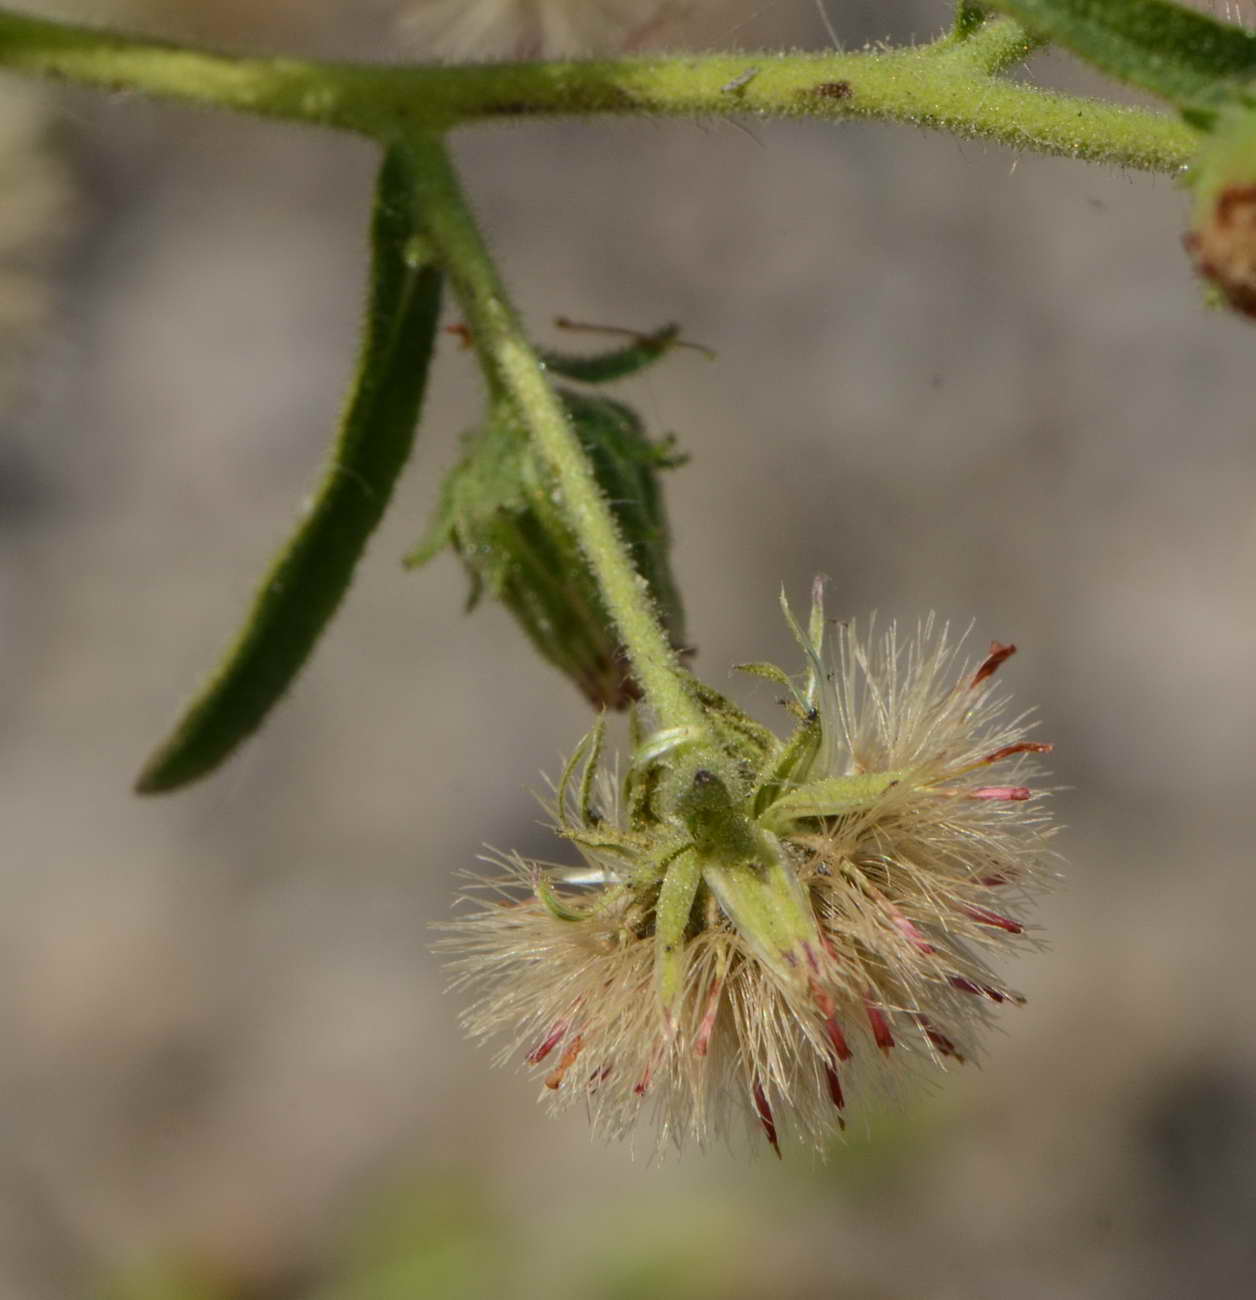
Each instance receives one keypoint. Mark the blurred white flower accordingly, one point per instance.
(533, 29)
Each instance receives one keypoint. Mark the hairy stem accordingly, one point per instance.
(514, 368)
(990, 47)
(947, 87)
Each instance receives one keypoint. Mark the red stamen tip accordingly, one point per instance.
(998, 653)
(910, 931)
(835, 1090)
(940, 1041)
(764, 1111)
(702, 1041)
(968, 986)
(824, 999)
(986, 917)
(547, 1045)
(1005, 793)
(1022, 747)
(837, 1038)
(880, 1027)
(555, 1080)
(977, 990)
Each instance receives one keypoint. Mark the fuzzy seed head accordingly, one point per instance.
(836, 943)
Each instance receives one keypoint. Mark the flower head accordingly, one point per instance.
(533, 29)
(774, 929)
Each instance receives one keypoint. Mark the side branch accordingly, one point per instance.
(943, 87)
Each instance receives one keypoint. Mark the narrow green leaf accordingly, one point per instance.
(1184, 56)
(309, 578)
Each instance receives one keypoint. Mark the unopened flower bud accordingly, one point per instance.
(501, 510)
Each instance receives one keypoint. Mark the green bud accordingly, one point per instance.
(500, 510)
(1222, 240)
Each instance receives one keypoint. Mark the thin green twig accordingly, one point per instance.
(913, 86)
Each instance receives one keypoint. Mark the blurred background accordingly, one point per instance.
(949, 378)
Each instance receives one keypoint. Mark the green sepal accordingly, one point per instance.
(793, 701)
(701, 800)
(618, 363)
(660, 744)
(588, 778)
(811, 641)
(671, 919)
(1186, 57)
(440, 531)
(586, 757)
(499, 509)
(746, 871)
(547, 896)
(770, 672)
(795, 760)
(769, 906)
(743, 738)
(836, 796)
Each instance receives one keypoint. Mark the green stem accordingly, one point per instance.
(953, 93)
(513, 368)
